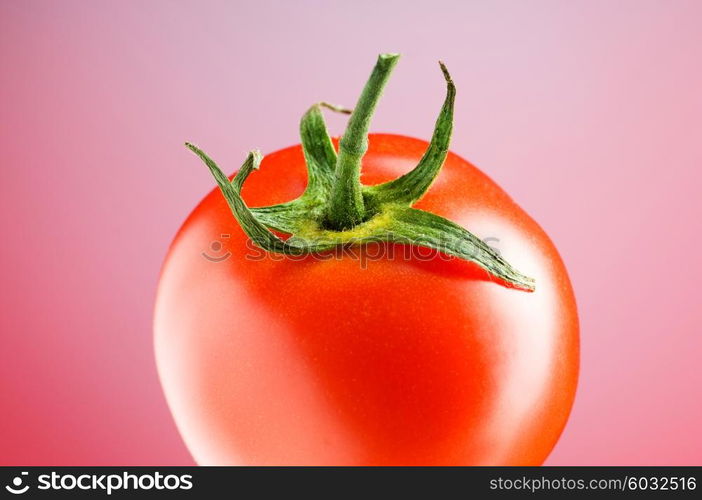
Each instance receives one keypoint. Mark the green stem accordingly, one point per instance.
(336, 210)
(346, 208)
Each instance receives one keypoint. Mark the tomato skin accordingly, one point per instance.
(302, 361)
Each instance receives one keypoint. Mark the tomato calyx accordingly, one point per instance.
(336, 209)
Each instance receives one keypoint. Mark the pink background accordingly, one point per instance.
(589, 113)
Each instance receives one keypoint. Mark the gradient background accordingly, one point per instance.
(589, 113)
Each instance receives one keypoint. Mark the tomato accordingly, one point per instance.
(382, 357)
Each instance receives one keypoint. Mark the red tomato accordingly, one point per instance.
(385, 360)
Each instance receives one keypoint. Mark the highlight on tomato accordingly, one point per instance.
(368, 300)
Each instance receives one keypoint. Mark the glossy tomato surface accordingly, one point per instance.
(384, 357)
